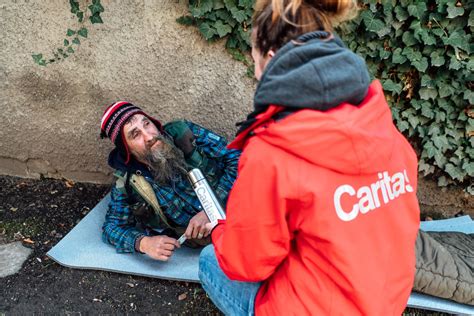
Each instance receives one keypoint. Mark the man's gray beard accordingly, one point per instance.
(166, 163)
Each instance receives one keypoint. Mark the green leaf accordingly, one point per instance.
(409, 39)
(70, 32)
(397, 57)
(70, 50)
(372, 24)
(454, 11)
(76, 41)
(400, 13)
(222, 29)
(454, 172)
(457, 39)
(471, 19)
(82, 32)
(218, 4)
(389, 85)
(37, 58)
(446, 90)
(437, 58)
(420, 65)
(66, 42)
(80, 16)
(239, 15)
(414, 121)
(74, 4)
(96, 7)
(96, 19)
(426, 110)
(206, 30)
(185, 20)
(428, 93)
(417, 10)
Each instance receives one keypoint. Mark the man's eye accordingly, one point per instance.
(146, 123)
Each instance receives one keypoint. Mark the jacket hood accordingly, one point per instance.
(317, 72)
(347, 139)
(117, 161)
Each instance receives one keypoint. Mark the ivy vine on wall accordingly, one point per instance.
(422, 53)
(73, 37)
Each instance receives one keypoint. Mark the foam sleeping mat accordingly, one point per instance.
(83, 248)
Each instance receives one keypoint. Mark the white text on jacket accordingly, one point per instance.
(390, 187)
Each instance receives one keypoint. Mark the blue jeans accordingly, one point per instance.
(231, 297)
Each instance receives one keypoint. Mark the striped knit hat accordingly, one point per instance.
(114, 119)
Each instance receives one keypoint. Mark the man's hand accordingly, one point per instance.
(197, 227)
(159, 247)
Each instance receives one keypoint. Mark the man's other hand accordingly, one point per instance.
(197, 228)
(159, 247)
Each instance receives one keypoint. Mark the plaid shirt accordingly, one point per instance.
(177, 200)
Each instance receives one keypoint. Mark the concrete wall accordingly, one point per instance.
(49, 118)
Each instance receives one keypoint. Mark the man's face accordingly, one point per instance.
(141, 136)
(150, 147)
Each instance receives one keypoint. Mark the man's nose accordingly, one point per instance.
(148, 136)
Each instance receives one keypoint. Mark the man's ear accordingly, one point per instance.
(271, 53)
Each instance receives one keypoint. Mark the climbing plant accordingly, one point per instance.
(73, 37)
(421, 51)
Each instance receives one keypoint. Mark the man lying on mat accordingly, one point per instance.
(152, 201)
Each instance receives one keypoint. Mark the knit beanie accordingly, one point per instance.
(114, 119)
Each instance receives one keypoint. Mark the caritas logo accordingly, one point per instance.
(370, 197)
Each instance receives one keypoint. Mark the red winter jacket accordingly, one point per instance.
(324, 212)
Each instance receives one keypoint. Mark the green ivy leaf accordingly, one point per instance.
(218, 4)
(417, 10)
(389, 85)
(446, 90)
(471, 19)
(397, 57)
(37, 58)
(457, 39)
(66, 42)
(222, 29)
(80, 16)
(400, 13)
(70, 50)
(206, 30)
(421, 65)
(96, 7)
(454, 172)
(437, 58)
(76, 41)
(239, 15)
(409, 39)
(373, 24)
(454, 11)
(426, 110)
(74, 4)
(428, 93)
(70, 32)
(185, 20)
(82, 32)
(95, 18)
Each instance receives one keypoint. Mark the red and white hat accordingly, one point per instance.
(114, 119)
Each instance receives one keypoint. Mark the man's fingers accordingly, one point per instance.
(196, 232)
(166, 253)
(189, 231)
(163, 258)
(169, 246)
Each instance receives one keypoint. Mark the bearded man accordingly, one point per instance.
(152, 201)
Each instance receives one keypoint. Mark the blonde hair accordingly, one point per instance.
(279, 21)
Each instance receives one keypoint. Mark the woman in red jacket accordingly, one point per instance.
(323, 216)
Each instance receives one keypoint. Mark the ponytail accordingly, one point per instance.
(279, 21)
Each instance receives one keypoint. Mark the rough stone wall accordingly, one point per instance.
(49, 122)
(49, 118)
